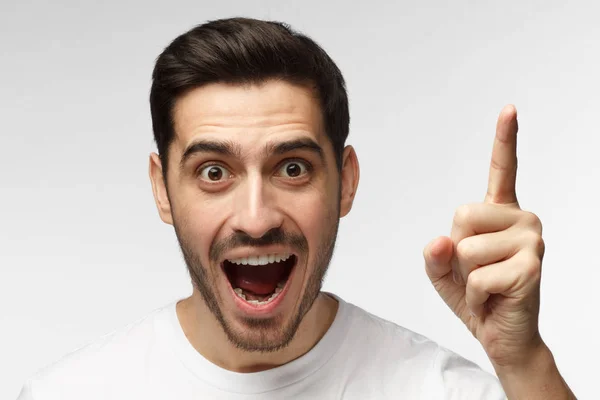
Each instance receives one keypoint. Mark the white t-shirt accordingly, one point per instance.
(360, 357)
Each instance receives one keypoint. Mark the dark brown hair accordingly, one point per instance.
(245, 51)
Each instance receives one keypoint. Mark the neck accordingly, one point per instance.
(206, 335)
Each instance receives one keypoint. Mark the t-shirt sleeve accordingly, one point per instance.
(26, 392)
(462, 379)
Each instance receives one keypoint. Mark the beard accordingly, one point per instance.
(261, 335)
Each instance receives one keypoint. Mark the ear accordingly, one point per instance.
(349, 176)
(159, 189)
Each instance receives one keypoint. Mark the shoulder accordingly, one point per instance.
(460, 378)
(409, 361)
(106, 359)
(384, 337)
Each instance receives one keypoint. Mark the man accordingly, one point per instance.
(250, 119)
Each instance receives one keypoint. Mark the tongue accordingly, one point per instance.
(260, 280)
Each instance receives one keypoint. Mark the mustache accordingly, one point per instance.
(272, 237)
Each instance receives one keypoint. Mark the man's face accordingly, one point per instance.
(252, 179)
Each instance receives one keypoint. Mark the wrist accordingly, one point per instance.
(535, 359)
(526, 360)
(535, 377)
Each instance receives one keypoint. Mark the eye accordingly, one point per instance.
(293, 169)
(214, 173)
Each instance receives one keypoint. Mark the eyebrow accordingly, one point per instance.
(227, 149)
(297, 144)
(230, 149)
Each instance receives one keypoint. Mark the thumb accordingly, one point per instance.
(438, 255)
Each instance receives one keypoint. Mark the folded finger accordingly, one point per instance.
(488, 248)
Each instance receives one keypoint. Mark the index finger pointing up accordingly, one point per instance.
(503, 167)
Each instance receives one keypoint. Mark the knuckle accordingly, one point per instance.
(463, 214)
(505, 167)
(532, 220)
(465, 250)
(475, 282)
(539, 245)
(532, 267)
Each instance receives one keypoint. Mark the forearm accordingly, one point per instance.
(539, 379)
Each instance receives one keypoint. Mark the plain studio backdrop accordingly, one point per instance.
(84, 252)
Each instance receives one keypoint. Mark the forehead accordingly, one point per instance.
(247, 114)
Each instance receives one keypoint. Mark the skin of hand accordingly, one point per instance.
(488, 271)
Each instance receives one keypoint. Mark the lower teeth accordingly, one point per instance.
(240, 293)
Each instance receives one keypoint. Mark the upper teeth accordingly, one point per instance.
(260, 260)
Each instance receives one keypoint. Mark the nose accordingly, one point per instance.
(256, 209)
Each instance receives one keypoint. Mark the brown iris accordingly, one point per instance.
(215, 173)
(293, 170)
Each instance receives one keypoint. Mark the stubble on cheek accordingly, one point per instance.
(203, 280)
(323, 253)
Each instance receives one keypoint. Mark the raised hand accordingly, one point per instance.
(488, 271)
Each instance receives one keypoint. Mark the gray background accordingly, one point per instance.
(84, 252)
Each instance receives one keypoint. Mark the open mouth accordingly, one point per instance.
(259, 280)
